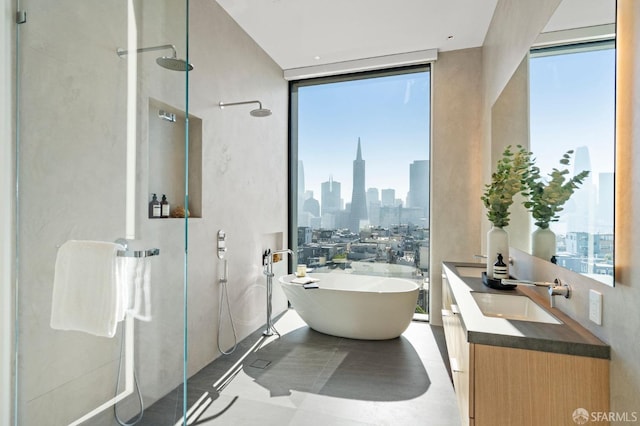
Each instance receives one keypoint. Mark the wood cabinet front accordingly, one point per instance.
(504, 386)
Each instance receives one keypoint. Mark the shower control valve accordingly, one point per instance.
(222, 245)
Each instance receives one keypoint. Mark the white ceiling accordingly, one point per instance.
(302, 33)
(582, 13)
(295, 32)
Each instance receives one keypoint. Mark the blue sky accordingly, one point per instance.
(390, 115)
(572, 105)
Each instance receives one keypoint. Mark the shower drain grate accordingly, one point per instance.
(260, 363)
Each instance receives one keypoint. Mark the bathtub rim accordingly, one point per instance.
(412, 285)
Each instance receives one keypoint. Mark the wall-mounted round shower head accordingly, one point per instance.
(258, 112)
(169, 62)
(174, 64)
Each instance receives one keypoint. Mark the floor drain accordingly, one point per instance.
(260, 363)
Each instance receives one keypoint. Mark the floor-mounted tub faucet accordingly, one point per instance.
(268, 259)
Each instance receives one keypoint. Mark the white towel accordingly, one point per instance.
(138, 284)
(88, 288)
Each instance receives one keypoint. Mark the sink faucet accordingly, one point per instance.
(559, 289)
(526, 283)
(556, 288)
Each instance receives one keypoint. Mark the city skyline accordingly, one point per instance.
(369, 207)
(400, 178)
(341, 202)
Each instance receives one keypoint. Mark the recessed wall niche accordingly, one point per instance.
(167, 156)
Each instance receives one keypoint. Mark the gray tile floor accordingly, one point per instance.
(308, 378)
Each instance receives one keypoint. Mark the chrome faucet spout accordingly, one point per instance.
(527, 283)
(285, 251)
(556, 288)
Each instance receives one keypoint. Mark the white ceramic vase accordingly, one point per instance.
(543, 243)
(497, 242)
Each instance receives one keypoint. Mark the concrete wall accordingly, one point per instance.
(72, 117)
(455, 172)
(244, 163)
(73, 136)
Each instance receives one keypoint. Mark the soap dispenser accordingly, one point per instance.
(500, 270)
(154, 207)
(164, 207)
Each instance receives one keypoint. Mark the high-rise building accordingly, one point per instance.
(301, 187)
(358, 195)
(330, 197)
(580, 210)
(372, 195)
(311, 205)
(604, 224)
(330, 203)
(373, 206)
(418, 196)
(388, 197)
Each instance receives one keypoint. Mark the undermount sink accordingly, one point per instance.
(471, 271)
(512, 307)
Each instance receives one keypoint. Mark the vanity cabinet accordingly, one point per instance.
(502, 385)
(459, 353)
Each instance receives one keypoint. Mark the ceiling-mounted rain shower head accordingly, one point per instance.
(258, 112)
(169, 62)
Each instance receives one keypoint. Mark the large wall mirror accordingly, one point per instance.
(562, 100)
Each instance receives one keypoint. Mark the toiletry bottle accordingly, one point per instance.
(164, 207)
(500, 270)
(154, 208)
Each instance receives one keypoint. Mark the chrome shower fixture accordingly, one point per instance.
(169, 62)
(258, 112)
(168, 116)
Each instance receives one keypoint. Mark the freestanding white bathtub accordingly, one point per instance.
(354, 306)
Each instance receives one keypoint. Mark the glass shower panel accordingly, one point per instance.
(93, 102)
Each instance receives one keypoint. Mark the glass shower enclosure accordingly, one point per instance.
(101, 125)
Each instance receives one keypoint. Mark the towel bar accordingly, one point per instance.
(135, 253)
(139, 253)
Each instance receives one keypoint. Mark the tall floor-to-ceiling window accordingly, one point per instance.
(360, 172)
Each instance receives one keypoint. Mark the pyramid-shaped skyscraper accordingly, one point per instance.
(359, 195)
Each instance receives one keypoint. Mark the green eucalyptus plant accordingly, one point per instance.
(510, 178)
(547, 196)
